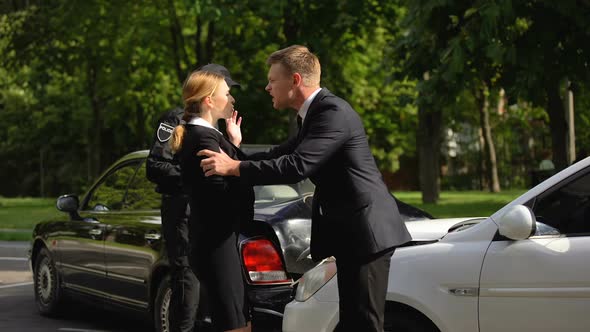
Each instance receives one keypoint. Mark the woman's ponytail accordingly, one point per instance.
(190, 110)
(177, 137)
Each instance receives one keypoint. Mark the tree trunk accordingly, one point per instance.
(95, 127)
(429, 142)
(292, 21)
(178, 50)
(141, 135)
(199, 52)
(569, 118)
(481, 166)
(489, 148)
(209, 43)
(292, 31)
(41, 172)
(557, 124)
(204, 49)
(501, 102)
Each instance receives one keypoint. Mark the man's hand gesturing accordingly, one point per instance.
(218, 163)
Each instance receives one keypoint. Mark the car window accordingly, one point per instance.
(108, 195)
(141, 194)
(566, 209)
(278, 193)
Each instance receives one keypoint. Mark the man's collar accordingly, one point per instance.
(198, 121)
(305, 107)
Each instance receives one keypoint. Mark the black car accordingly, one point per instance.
(110, 249)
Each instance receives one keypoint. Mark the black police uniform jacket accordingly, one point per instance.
(353, 212)
(219, 204)
(162, 167)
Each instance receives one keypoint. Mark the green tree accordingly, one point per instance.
(84, 82)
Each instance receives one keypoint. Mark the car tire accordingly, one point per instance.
(48, 293)
(162, 306)
(407, 321)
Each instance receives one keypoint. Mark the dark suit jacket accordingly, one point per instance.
(353, 212)
(218, 203)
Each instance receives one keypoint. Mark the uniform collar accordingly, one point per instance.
(198, 121)
(305, 107)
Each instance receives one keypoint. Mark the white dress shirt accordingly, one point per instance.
(305, 107)
(199, 121)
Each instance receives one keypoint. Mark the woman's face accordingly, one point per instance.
(223, 102)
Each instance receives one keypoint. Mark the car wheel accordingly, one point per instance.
(407, 321)
(47, 285)
(162, 306)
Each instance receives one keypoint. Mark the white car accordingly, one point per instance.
(525, 268)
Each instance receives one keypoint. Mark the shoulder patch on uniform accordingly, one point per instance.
(164, 132)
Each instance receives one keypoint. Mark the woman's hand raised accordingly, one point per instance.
(232, 127)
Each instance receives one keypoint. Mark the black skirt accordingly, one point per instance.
(218, 266)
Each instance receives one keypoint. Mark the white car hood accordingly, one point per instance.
(432, 229)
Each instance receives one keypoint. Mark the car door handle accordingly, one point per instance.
(152, 236)
(95, 231)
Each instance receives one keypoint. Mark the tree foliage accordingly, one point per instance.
(528, 48)
(84, 81)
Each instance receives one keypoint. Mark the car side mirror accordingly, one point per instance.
(518, 223)
(69, 204)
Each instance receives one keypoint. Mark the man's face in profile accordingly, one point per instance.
(280, 86)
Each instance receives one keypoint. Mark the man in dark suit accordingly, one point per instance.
(354, 217)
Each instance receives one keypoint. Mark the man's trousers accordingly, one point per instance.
(362, 286)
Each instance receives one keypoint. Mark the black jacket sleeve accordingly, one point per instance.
(162, 166)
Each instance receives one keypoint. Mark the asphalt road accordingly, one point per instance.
(18, 311)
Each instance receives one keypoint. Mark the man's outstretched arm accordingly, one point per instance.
(325, 135)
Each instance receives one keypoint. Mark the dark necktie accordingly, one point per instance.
(299, 122)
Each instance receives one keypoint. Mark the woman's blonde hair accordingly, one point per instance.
(197, 86)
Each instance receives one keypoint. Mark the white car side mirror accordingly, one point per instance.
(518, 223)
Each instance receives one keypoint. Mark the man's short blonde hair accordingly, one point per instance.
(298, 59)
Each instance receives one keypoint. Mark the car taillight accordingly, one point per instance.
(263, 263)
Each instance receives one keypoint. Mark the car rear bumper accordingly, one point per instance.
(270, 299)
(268, 304)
